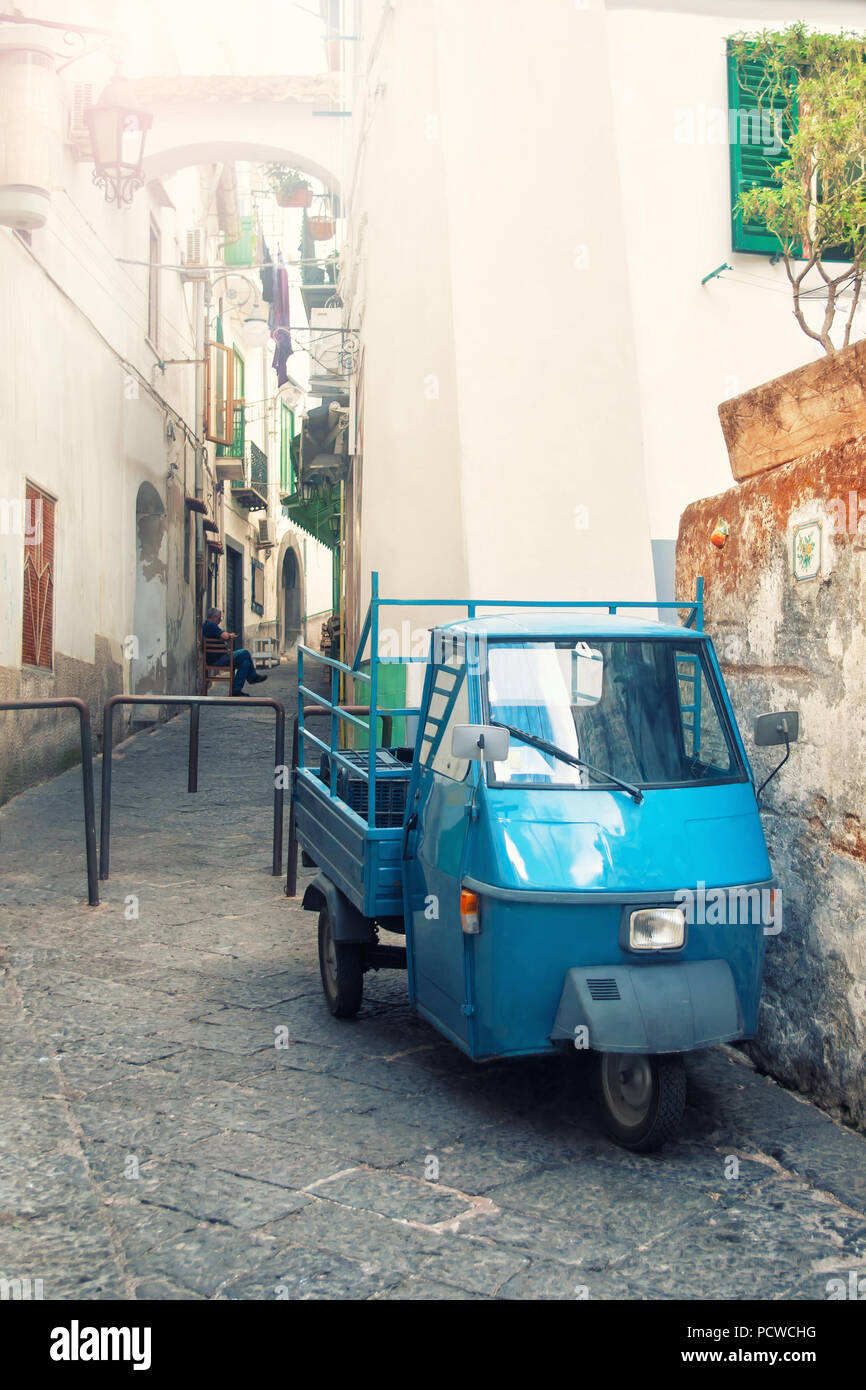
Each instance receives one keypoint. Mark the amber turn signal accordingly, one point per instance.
(470, 912)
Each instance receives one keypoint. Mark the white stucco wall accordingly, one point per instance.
(527, 237)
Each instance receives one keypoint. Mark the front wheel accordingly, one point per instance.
(341, 965)
(642, 1098)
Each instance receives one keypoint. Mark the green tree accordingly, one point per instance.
(813, 86)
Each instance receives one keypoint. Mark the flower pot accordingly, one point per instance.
(321, 228)
(294, 196)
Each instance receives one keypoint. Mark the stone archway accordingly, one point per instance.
(149, 647)
(260, 119)
(290, 596)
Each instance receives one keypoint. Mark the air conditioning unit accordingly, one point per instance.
(267, 533)
(195, 261)
(77, 134)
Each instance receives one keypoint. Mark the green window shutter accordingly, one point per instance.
(239, 435)
(752, 162)
(240, 252)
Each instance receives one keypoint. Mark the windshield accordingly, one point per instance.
(646, 712)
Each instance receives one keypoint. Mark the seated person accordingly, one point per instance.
(245, 667)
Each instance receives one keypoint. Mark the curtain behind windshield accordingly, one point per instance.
(655, 721)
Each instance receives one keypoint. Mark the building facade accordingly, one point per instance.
(120, 519)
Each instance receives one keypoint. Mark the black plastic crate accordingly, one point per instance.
(353, 788)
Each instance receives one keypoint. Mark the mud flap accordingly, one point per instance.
(347, 923)
(650, 1008)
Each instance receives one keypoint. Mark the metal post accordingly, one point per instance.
(86, 744)
(89, 806)
(194, 702)
(105, 805)
(279, 792)
(374, 698)
(192, 770)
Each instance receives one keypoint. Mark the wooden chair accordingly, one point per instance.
(217, 646)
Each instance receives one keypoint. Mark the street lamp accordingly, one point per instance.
(117, 137)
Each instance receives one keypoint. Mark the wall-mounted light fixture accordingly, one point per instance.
(117, 136)
(256, 331)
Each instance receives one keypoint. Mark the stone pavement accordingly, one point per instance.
(156, 1143)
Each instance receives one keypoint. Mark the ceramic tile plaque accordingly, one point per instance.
(807, 550)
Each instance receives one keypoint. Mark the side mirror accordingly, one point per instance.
(480, 742)
(773, 729)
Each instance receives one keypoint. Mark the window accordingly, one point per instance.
(220, 414)
(37, 640)
(257, 602)
(758, 136)
(287, 434)
(235, 447)
(153, 285)
(449, 705)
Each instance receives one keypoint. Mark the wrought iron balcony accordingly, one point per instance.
(251, 491)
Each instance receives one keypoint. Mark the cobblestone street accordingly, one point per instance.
(157, 1144)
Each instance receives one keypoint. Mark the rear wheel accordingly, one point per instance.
(341, 965)
(642, 1098)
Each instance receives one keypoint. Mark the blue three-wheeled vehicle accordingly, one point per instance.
(567, 834)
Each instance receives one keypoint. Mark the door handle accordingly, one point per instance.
(410, 825)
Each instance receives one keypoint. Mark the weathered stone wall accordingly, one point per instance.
(785, 643)
(38, 744)
(814, 407)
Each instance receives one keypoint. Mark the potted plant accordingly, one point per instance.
(290, 188)
(322, 227)
(321, 221)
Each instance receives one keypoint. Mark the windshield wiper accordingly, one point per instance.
(544, 747)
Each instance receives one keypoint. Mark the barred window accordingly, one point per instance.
(37, 642)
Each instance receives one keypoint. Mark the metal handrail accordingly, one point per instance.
(332, 662)
(195, 703)
(71, 702)
(694, 607)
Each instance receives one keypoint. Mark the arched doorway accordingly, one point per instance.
(147, 650)
(291, 599)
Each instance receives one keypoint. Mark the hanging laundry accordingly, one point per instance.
(280, 327)
(266, 274)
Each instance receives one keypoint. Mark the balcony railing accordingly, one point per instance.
(235, 450)
(252, 490)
